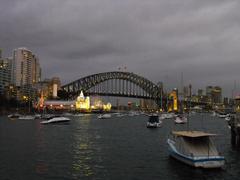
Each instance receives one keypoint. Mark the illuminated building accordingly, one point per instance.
(26, 68)
(174, 97)
(217, 95)
(82, 103)
(214, 94)
(147, 105)
(107, 107)
(49, 87)
(26, 71)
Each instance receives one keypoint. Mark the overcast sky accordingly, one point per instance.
(157, 39)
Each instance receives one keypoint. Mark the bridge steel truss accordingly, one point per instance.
(123, 84)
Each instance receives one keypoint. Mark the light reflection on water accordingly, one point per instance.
(82, 149)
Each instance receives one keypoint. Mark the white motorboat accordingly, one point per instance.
(56, 119)
(223, 115)
(104, 116)
(228, 118)
(14, 116)
(37, 116)
(180, 119)
(26, 117)
(154, 121)
(194, 148)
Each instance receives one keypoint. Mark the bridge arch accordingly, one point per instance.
(84, 84)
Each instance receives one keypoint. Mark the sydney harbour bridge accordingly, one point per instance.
(121, 84)
(117, 83)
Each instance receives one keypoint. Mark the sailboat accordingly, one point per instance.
(194, 148)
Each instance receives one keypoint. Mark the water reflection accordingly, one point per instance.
(82, 148)
(41, 167)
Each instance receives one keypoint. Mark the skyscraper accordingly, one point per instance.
(217, 94)
(5, 73)
(26, 70)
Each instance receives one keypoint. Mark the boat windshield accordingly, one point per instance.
(153, 119)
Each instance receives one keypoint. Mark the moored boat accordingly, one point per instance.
(223, 115)
(194, 148)
(56, 119)
(104, 116)
(14, 116)
(154, 121)
(26, 117)
(180, 119)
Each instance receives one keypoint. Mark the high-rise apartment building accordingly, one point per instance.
(5, 73)
(26, 71)
(26, 68)
(209, 91)
(217, 94)
(214, 94)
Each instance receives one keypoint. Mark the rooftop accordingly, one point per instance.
(192, 133)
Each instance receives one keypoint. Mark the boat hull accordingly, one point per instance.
(154, 125)
(56, 120)
(198, 162)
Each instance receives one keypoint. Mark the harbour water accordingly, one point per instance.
(106, 149)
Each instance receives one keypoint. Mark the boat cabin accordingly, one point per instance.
(194, 143)
(153, 119)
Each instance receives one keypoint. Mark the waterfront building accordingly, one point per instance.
(148, 105)
(185, 91)
(26, 71)
(209, 91)
(5, 73)
(49, 87)
(225, 101)
(26, 68)
(200, 92)
(217, 95)
(173, 97)
(82, 103)
(214, 94)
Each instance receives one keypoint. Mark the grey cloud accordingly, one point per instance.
(158, 39)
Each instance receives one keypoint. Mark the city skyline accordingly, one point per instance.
(156, 39)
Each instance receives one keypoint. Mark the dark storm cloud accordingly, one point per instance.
(158, 39)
